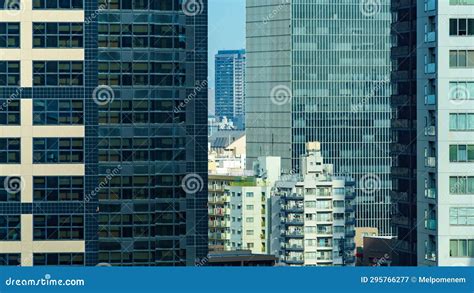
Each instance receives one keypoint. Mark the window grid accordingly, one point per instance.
(58, 35)
(9, 73)
(10, 152)
(58, 227)
(58, 188)
(58, 112)
(58, 4)
(9, 34)
(58, 73)
(10, 228)
(58, 150)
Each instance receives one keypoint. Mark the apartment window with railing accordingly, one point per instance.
(461, 58)
(461, 122)
(461, 27)
(461, 216)
(461, 185)
(461, 153)
(461, 248)
(9, 34)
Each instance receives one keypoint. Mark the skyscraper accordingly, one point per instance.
(230, 89)
(321, 72)
(404, 132)
(445, 125)
(47, 133)
(153, 63)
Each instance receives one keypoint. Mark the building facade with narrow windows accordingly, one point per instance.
(48, 129)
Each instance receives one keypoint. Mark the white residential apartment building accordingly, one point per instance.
(313, 215)
(445, 91)
(238, 208)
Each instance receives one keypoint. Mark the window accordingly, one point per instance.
(10, 228)
(9, 34)
(10, 259)
(461, 153)
(9, 73)
(250, 245)
(58, 112)
(461, 122)
(58, 259)
(461, 216)
(461, 27)
(58, 150)
(249, 220)
(58, 4)
(58, 35)
(55, 188)
(461, 59)
(249, 232)
(461, 90)
(13, 192)
(461, 2)
(58, 73)
(58, 227)
(461, 248)
(10, 111)
(249, 207)
(461, 185)
(10, 4)
(249, 194)
(10, 151)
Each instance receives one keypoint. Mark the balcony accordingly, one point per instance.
(430, 100)
(430, 193)
(430, 162)
(430, 131)
(294, 234)
(430, 5)
(430, 68)
(430, 37)
(350, 233)
(430, 255)
(430, 224)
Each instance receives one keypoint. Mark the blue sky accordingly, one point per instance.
(226, 29)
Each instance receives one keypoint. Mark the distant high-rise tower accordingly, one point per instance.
(321, 72)
(230, 89)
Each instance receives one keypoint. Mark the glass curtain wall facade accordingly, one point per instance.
(404, 135)
(330, 83)
(48, 121)
(153, 56)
